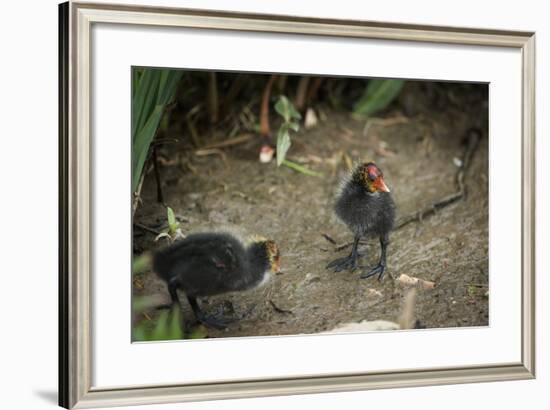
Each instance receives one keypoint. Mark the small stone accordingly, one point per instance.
(311, 119)
(311, 278)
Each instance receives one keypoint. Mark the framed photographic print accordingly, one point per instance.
(255, 205)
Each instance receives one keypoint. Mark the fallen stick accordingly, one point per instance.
(411, 281)
(328, 238)
(156, 168)
(211, 151)
(147, 228)
(229, 142)
(278, 309)
(429, 210)
(406, 320)
(474, 136)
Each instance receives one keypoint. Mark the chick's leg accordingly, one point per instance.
(349, 262)
(173, 290)
(380, 268)
(214, 321)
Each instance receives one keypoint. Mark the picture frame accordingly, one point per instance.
(76, 222)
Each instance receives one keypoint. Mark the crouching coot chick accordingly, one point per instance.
(207, 264)
(365, 205)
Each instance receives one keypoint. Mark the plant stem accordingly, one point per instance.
(264, 109)
(299, 168)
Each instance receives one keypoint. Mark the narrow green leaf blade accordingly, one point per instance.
(199, 332)
(283, 144)
(301, 169)
(175, 331)
(160, 331)
(141, 263)
(154, 89)
(377, 96)
(144, 100)
(140, 334)
(172, 222)
(141, 144)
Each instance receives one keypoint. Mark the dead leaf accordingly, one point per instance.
(162, 235)
(374, 292)
(383, 150)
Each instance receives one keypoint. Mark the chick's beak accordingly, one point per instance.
(381, 185)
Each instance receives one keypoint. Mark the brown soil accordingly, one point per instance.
(233, 191)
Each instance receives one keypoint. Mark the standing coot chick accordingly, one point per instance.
(207, 264)
(365, 205)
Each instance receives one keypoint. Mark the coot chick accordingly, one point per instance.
(365, 205)
(207, 264)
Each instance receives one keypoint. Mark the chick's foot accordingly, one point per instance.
(346, 263)
(378, 270)
(220, 320)
(215, 321)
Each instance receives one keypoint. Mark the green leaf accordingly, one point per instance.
(160, 331)
(172, 222)
(141, 263)
(168, 326)
(283, 108)
(301, 169)
(283, 144)
(169, 86)
(142, 142)
(141, 303)
(175, 331)
(140, 335)
(377, 96)
(145, 100)
(286, 109)
(199, 332)
(294, 126)
(152, 91)
(293, 112)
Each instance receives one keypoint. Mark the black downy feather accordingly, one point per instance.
(365, 205)
(367, 214)
(206, 264)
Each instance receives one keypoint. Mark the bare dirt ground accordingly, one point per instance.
(233, 191)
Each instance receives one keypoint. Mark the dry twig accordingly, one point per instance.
(328, 238)
(229, 142)
(406, 321)
(147, 228)
(474, 136)
(278, 309)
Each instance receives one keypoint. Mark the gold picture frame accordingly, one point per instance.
(76, 20)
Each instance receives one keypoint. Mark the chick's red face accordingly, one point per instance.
(374, 178)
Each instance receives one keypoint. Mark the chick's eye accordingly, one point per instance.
(371, 176)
